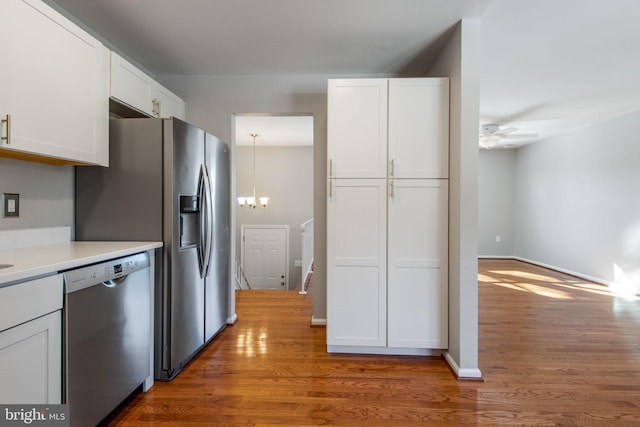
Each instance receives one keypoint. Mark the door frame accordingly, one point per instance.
(284, 227)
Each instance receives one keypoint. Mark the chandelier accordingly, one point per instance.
(250, 201)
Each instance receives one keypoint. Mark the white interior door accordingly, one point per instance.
(265, 256)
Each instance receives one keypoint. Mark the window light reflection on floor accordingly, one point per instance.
(536, 289)
(623, 284)
(552, 287)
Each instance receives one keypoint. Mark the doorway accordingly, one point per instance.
(273, 157)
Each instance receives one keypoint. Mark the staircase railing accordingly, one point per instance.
(241, 278)
(307, 253)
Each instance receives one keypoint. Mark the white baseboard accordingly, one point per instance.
(463, 373)
(318, 322)
(232, 319)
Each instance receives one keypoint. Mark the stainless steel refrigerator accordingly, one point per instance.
(167, 181)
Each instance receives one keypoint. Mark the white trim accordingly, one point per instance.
(496, 257)
(462, 373)
(231, 320)
(318, 322)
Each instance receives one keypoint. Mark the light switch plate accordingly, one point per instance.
(10, 205)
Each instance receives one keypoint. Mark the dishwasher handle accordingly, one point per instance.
(115, 282)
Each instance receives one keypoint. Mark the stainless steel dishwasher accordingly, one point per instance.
(107, 336)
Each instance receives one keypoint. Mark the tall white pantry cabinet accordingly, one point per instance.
(387, 215)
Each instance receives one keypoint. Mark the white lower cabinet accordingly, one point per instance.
(417, 287)
(387, 281)
(31, 342)
(31, 363)
(356, 247)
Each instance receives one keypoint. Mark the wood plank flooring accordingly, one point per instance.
(554, 350)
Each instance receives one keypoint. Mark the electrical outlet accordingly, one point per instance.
(498, 239)
(297, 263)
(10, 205)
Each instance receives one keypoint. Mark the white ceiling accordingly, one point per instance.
(548, 65)
(274, 130)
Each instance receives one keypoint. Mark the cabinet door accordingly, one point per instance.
(31, 362)
(356, 262)
(57, 102)
(419, 128)
(357, 128)
(131, 86)
(418, 267)
(168, 103)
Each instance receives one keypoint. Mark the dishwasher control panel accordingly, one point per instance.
(91, 275)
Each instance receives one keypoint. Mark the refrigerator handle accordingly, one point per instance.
(208, 229)
(202, 249)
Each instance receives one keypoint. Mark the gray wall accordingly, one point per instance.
(285, 175)
(460, 60)
(577, 205)
(496, 183)
(46, 194)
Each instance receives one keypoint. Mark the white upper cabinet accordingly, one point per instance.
(53, 87)
(396, 128)
(130, 85)
(419, 128)
(357, 128)
(168, 104)
(133, 87)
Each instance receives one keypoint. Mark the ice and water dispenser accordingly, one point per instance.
(189, 221)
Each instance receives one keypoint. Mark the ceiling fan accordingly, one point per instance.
(491, 135)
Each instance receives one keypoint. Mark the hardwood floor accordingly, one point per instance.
(554, 350)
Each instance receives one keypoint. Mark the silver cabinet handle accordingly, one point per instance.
(391, 189)
(330, 168)
(330, 188)
(159, 103)
(391, 168)
(7, 120)
(155, 107)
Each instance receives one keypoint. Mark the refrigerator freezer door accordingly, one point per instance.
(217, 279)
(183, 308)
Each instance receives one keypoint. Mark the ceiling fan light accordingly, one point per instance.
(489, 141)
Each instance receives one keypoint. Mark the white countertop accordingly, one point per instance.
(34, 261)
